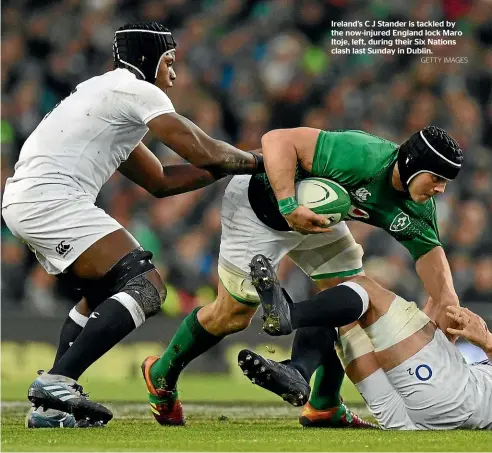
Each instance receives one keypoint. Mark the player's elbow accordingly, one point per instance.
(273, 136)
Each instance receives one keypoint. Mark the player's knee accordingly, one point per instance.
(155, 278)
(136, 276)
(148, 296)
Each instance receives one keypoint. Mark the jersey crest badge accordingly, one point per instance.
(362, 194)
(400, 222)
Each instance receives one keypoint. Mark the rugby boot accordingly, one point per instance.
(336, 417)
(52, 391)
(52, 418)
(275, 304)
(49, 418)
(279, 378)
(164, 404)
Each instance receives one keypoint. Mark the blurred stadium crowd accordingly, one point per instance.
(245, 67)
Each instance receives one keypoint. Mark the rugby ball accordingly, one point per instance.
(324, 197)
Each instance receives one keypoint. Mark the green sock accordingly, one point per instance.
(327, 383)
(189, 341)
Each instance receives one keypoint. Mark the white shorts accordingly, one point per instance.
(438, 387)
(325, 255)
(481, 379)
(59, 231)
(384, 402)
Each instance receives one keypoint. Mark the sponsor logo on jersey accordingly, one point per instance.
(400, 222)
(357, 213)
(362, 194)
(63, 249)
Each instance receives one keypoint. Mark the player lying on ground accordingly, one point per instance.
(390, 186)
(49, 201)
(410, 375)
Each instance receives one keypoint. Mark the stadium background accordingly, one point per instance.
(245, 67)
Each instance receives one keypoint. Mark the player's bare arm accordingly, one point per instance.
(193, 144)
(435, 273)
(282, 150)
(470, 326)
(145, 169)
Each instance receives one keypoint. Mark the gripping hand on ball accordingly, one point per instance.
(305, 221)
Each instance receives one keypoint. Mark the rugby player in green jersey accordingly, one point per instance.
(390, 186)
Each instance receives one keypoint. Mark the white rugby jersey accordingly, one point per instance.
(82, 141)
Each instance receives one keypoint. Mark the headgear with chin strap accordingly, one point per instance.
(140, 48)
(431, 150)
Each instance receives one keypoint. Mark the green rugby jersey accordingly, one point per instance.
(363, 164)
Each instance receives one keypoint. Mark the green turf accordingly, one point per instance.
(224, 413)
(192, 388)
(210, 431)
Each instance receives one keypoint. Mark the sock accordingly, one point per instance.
(334, 307)
(70, 330)
(327, 383)
(311, 344)
(114, 319)
(190, 341)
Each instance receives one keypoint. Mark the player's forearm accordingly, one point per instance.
(280, 158)
(198, 148)
(435, 273)
(178, 179)
(229, 160)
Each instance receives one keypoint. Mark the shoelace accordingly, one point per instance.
(80, 389)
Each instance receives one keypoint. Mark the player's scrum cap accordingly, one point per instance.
(431, 150)
(141, 46)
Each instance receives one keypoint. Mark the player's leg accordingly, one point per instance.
(426, 369)
(362, 368)
(72, 327)
(129, 289)
(126, 288)
(332, 258)
(419, 361)
(77, 235)
(325, 394)
(237, 300)
(201, 330)
(329, 261)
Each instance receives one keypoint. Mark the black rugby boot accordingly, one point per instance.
(282, 379)
(276, 306)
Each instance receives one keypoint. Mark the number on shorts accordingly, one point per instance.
(422, 372)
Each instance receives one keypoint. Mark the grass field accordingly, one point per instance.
(224, 413)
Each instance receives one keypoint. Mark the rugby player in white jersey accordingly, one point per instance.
(49, 202)
(410, 375)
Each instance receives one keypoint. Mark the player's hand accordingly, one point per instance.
(469, 325)
(445, 324)
(306, 221)
(437, 313)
